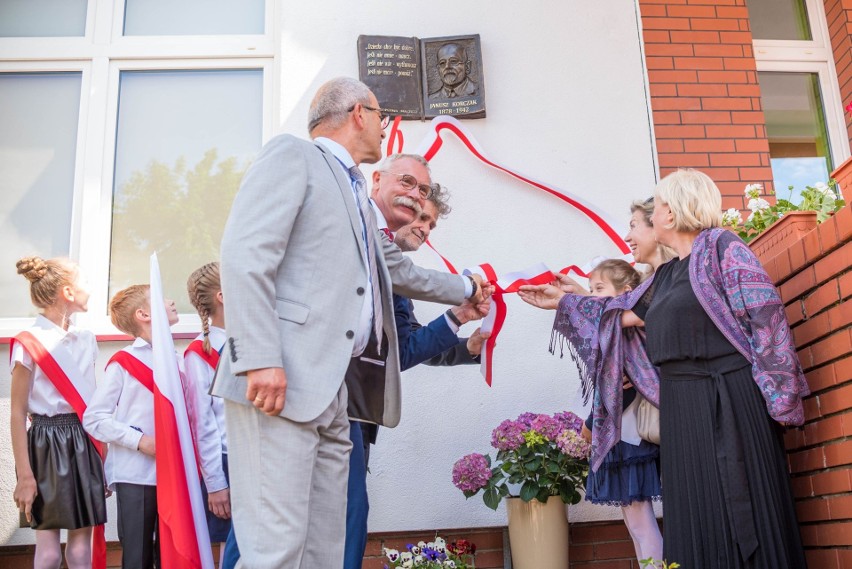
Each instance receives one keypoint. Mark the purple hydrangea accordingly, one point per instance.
(547, 426)
(572, 444)
(471, 473)
(569, 420)
(526, 419)
(508, 435)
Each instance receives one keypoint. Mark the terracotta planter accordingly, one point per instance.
(783, 233)
(538, 533)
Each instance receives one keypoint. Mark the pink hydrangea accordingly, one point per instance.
(471, 473)
(508, 435)
(573, 444)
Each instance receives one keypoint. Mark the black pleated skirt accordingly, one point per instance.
(727, 498)
(69, 474)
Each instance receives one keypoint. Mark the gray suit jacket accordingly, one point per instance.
(294, 278)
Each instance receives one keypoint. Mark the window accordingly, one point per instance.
(799, 92)
(126, 141)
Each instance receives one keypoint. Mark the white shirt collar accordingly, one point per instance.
(45, 324)
(217, 337)
(338, 150)
(381, 222)
(140, 343)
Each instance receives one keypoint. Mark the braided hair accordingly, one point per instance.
(202, 286)
(47, 277)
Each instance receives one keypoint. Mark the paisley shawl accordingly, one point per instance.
(740, 299)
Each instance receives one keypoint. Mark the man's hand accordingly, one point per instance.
(267, 389)
(543, 296)
(569, 285)
(468, 311)
(483, 290)
(220, 503)
(476, 341)
(24, 495)
(147, 445)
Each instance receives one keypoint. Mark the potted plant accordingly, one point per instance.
(545, 456)
(788, 221)
(436, 554)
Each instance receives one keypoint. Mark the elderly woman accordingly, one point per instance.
(724, 371)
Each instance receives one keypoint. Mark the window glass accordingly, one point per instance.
(193, 17)
(38, 143)
(779, 20)
(42, 18)
(796, 128)
(184, 140)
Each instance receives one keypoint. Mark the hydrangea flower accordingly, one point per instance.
(471, 473)
(508, 435)
(547, 426)
(573, 444)
(526, 419)
(569, 420)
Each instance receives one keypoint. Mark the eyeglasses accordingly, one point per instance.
(409, 182)
(383, 117)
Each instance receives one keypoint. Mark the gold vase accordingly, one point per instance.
(538, 533)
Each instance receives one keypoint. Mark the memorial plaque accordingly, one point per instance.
(453, 82)
(390, 67)
(424, 78)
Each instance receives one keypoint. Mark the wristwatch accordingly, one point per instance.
(453, 318)
(474, 286)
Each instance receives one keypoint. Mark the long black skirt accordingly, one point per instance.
(69, 474)
(727, 498)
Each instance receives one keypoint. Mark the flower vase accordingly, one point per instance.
(538, 533)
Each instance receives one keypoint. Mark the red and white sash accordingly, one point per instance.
(63, 384)
(197, 347)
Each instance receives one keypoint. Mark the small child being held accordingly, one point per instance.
(628, 476)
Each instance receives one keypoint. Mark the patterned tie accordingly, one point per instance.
(369, 219)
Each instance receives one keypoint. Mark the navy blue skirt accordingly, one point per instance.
(628, 474)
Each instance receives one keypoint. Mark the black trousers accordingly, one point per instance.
(137, 525)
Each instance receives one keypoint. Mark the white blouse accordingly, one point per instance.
(200, 375)
(75, 350)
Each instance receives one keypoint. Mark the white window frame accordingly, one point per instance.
(811, 56)
(101, 55)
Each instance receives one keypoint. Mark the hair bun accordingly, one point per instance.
(33, 268)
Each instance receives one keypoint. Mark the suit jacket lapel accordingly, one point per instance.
(345, 187)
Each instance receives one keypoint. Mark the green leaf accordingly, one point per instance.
(491, 498)
(533, 464)
(529, 490)
(543, 495)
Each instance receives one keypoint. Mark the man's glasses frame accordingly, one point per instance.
(409, 182)
(383, 117)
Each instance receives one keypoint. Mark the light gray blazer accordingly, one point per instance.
(293, 278)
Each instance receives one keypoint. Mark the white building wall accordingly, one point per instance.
(567, 105)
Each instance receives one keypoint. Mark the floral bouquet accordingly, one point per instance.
(545, 454)
(433, 555)
(821, 198)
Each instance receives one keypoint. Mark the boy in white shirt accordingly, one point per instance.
(121, 413)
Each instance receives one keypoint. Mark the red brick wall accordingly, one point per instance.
(815, 282)
(838, 13)
(704, 93)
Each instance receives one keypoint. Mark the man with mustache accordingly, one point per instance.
(454, 70)
(402, 194)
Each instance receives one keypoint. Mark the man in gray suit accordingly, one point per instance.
(308, 280)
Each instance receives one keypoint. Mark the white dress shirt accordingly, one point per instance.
(76, 348)
(200, 375)
(121, 411)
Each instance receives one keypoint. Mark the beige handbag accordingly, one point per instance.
(648, 420)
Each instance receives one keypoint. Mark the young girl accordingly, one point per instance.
(60, 477)
(200, 360)
(628, 476)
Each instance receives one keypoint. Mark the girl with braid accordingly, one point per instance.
(200, 359)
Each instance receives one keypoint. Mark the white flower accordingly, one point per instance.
(450, 564)
(421, 544)
(752, 191)
(732, 217)
(391, 554)
(415, 549)
(750, 216)
(409, 563)
(406, 556)
(758, 204)
(821, 187)
(419, 560)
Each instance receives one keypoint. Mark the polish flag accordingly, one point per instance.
(184, 541)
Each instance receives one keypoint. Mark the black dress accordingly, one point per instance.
(726, 489)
